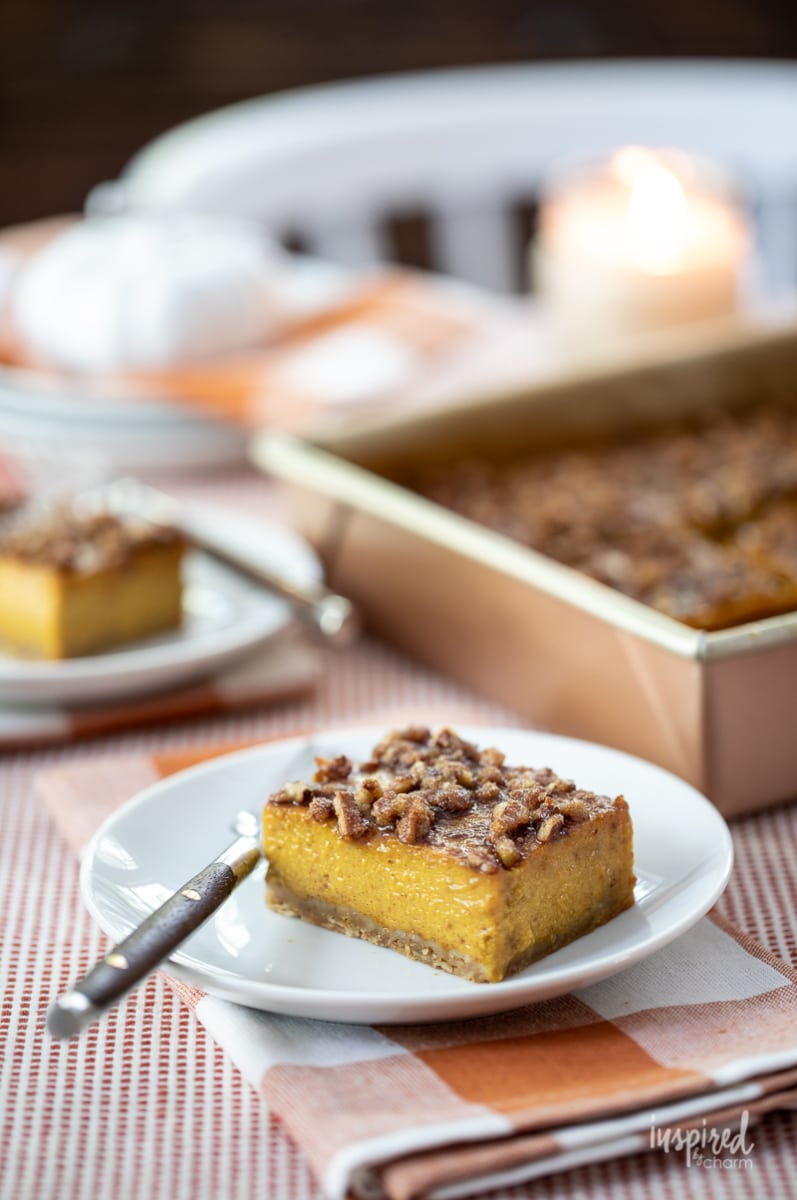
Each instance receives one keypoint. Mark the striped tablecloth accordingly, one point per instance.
(145, 1105)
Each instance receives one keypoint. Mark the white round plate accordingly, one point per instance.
(225, 616)
(149, 441)
(71, 401)
(249, 955)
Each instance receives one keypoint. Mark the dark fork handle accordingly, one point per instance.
(137, 955)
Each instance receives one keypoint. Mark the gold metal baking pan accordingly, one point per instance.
(719, 709)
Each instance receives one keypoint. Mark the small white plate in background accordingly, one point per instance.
(225, 617)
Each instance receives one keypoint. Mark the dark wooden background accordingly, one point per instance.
(85, 83)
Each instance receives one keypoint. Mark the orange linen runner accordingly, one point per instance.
(681, 1052)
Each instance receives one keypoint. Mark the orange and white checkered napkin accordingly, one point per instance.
(681, 1052)
(284, 668)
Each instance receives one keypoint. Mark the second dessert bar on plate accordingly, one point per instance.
(75, 583)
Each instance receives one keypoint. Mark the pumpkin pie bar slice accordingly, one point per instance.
(74, 583)
(442, 851)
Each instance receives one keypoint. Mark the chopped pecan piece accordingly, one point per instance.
(528, 792)
(507, 817)
(453, 771)
(491, 775)
(549, 827)
(492, 757)
(416, 821)
(400, 749)
(560, 787)
(322, 808)
(451, 744)
(420, 771)
(332, 769)
(416, 733)
(400, 755)
(507, 851)
(293, 793)
(367, 793)
(388, 808)
(574, 808)
(544, 810)
(488, 792)
(404, 783)
(351, 823)
(464, 776)
(452, 798)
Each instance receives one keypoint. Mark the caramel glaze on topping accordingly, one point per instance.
(438, 789)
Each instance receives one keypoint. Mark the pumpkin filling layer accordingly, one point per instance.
(440, 850)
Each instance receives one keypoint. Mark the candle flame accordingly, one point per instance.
(658, 210)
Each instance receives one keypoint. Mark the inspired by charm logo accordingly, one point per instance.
(714, 1148)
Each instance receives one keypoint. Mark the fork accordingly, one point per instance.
(158, 935)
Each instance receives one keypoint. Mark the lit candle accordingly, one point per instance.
(647, 241)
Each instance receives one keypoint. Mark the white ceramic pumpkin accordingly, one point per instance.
(137, 292)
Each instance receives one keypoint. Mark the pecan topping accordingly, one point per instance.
(293, 793)
(540, 814)
(388, 808)
(440, 790)
(420, 772)
(330, 770)
(544, 776)
(447, 769)
(452, 798)
(508, 816)
(549, 827)
(416, 733)
(488, 792)
(560, 787)
(404, 783)
(491, 775)
(453, 745)
(351, 823)
(416, 822)
(529, 793)
(367, 793)
(507, 851)
(574, 808)
(322, 808)
(400, 751)
(70, 540)
(660, 517)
